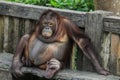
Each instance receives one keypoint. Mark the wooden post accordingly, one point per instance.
(16, 33)
(1, 33)
(27, 26)
(113, 53)
(105, 51)
(118, 60)
(6, 25)
(10, 35)
(94, 29)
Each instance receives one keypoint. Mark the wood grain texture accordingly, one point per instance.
(106, 50)
(113, 55)
(94, 29)
(112, 24)
(33, 12)
(16, 33)
(118, 66)
(10, 35)
(118, 58)
(1, 33)
(6, 27)
(27, 26)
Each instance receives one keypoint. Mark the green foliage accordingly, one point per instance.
(35, 2)
(80, 5)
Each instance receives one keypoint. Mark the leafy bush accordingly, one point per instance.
(80, 5)
(35, 2)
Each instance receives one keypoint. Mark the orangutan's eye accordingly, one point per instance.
(44, 23)
(50, 24)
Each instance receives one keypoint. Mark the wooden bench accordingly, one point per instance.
(17, 19)
(67, 74)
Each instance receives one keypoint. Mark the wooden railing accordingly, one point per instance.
(102, 27)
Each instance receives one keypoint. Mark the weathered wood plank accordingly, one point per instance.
(118, 59)
(10, 35)
(16, 33)
(6, 25)
(106, 50)
(94, 29)
(21, 27)
(1, 33)
(27, 26)
(114, 51)
(33, 12)
(112, 24)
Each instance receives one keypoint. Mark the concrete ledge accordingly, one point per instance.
(5, 63)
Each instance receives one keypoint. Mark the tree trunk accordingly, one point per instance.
(108, 5)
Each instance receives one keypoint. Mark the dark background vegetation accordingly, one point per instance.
(79, 5)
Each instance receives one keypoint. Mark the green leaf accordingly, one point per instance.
(81, 5)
